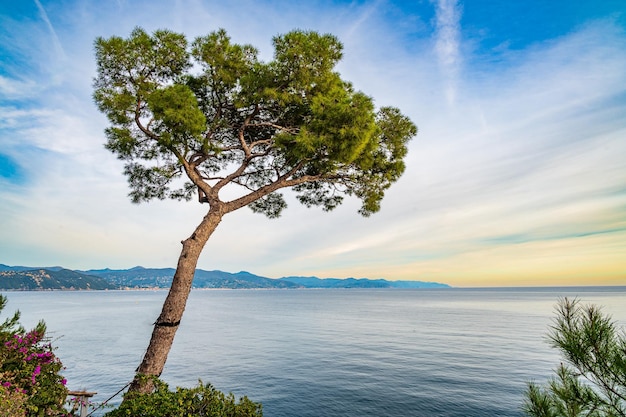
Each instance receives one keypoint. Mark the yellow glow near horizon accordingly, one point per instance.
(593, 260)
(579, 261)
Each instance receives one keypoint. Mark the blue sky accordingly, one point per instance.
(517, 175)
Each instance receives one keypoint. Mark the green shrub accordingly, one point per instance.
(12, 403)
(200, 401)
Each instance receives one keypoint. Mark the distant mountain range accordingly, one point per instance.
(59, 278)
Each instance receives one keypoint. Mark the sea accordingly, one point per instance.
(466, 352)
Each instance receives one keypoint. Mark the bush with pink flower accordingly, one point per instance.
(29, 371)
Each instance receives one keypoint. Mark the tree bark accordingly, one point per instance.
(172, 312)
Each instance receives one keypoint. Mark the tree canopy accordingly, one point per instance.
(199, 117)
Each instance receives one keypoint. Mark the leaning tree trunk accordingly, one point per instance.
(172, 312)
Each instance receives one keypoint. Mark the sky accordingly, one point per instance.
(517, 176)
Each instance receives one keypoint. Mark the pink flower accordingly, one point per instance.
(36, 372)
(64, 381)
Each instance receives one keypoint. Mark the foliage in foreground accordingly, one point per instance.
(592, 382)
(30, 383)
(200, 401)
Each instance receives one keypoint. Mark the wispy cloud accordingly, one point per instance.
(17, 89)
(447, 43)
(55, 39)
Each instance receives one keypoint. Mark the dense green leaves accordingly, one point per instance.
(201, 401)
(224, 63)
(176, 113)
(218, 117)
(130, 69)
(592, 383)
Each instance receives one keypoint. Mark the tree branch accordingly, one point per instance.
(242, 130)
(141, 127)
(282, 182)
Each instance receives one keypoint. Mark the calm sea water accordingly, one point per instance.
(316, 353)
